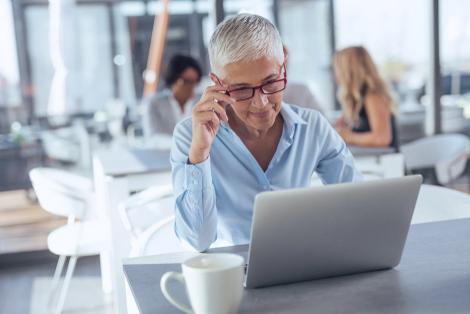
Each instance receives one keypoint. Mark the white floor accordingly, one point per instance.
(84, 296)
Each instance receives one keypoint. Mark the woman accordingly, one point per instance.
(241, 139)
(165, 109)
(369, 109)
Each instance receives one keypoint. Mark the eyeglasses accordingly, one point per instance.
(182, 82)
(273, 87)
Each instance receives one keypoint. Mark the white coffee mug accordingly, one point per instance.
(214, 284)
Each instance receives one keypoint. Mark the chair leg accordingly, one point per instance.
(68, 277)
(55, 281)
(106, 277)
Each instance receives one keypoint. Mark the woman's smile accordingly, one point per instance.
(261, 115)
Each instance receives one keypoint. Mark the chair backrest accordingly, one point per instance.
(446, 153)
(63, 193)
(437, 203)
(158, 239)
(161, 239)
(144, 209)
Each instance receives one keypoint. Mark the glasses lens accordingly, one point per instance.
(242, 94)
(274, 87)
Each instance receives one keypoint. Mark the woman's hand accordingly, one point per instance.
(207, 114)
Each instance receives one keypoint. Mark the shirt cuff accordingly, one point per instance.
(198, 176)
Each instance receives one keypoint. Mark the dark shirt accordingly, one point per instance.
(363, 126)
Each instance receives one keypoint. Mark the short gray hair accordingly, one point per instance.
(243, 37)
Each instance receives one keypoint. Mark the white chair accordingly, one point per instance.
(437, 203)
(65, 194)
(158, 239)
(443, 157)
(68, 187)
(142, 210)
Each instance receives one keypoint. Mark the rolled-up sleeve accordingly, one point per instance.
(336, 163)
(195, 200)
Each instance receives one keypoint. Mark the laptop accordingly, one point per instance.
(335, 230)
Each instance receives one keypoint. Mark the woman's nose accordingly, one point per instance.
(259, 99)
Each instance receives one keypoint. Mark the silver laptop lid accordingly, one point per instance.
(320, 232)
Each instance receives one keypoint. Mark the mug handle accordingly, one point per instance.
(163, 285)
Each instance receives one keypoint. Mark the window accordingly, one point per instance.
(305, 31)
(87, 56)
(397, 35)
(455, 47)
(9, 72)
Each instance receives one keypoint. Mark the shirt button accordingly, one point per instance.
(197, 206)
(265, 187)
(196, 182)
(195, 173)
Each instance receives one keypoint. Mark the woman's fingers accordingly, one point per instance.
(214, 99)
(217, 87)
(211, 106)
(220, 97)
(208, 116)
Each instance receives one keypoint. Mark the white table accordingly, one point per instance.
(118, 173)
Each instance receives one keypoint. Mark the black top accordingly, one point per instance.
(363, 126)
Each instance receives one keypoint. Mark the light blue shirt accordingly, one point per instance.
(214, 199)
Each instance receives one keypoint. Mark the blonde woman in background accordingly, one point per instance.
(368, 108)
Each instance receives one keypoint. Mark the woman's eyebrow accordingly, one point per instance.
(265, 79)
(270, 76)
(240, 84)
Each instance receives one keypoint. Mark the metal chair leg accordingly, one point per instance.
(55, 281)
(68, 277)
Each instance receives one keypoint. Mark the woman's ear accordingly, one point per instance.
(213, 78)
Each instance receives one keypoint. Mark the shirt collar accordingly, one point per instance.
(176, 109)
(290, 115)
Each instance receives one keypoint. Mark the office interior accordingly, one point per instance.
(73, 77)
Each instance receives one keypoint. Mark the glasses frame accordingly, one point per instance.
(260, 87)
(182, 82)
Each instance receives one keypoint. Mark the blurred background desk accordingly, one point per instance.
(15, 162)
(381, 162)
(374, 163)
(411, 120)
(431, 278)
(117, 174)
